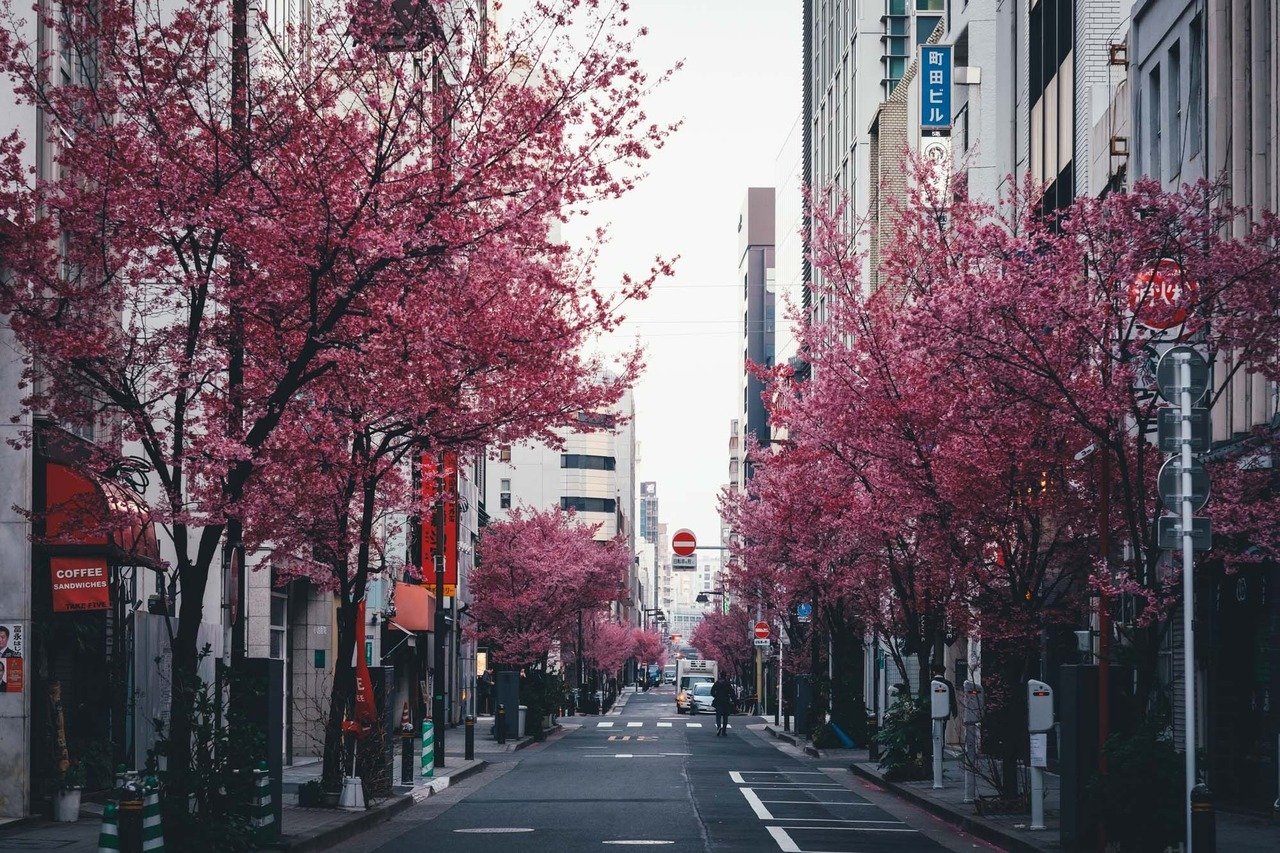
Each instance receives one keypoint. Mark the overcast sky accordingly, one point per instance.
(739, 94)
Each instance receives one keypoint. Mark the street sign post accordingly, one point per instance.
(1169, 484)
(762, 630)
(1169, 533)
(1169, 380)
(1169, 430)
(684, 543)
(804, 612)
(761, 643)
(684, 564)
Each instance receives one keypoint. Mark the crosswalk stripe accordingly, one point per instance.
(694, 725)
(603, 725)
(664, 725)
(634, 725)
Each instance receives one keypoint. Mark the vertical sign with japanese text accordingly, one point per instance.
(12, 650)
(935, 88)
(449, 506)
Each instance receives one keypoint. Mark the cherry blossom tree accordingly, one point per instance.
(191, 283)
(726, 639)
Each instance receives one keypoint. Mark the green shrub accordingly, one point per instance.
(1140, 799)
(904, 739)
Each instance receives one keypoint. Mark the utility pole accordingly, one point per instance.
(438, 679)
(235, 347)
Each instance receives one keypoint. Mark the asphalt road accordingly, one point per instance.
(649, 778)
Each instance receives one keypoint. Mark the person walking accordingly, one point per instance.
(722, 701)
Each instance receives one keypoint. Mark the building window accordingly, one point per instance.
(1175, 110)
(1153, 121)
(896, 7)
(504, 496)
(1195, 95)
(583, 504)
(504, 454)
(588, 462)
(929, 5)
(925, 25)
(279, 624)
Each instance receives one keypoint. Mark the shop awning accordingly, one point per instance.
(85, 510)
(415, 607)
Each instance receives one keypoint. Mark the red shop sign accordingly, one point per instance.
(80, 584)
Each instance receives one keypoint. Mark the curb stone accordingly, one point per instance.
(968, 823)
(323, 839)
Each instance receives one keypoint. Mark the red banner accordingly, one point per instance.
(366, 711)
(80, 584)
(449, 506)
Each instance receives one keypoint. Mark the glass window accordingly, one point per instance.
(1195, 95)
(504, 500)
(506, 484)
(1153, 106)
(897, 7)
(504, 454)
(898, 46)
(279, 625)
(588, 462)
(929, 5)
(584, 504)
(1175, 109)
(897, 27)
(924, 27)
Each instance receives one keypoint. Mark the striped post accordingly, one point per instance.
(109, 835)
(428, 750)
(152, 831)
(264, 816)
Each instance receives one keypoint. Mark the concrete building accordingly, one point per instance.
(649, 513)
(593, 474)
(755, 270)
(1203, 79)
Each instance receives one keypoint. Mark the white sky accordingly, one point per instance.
(739, 94)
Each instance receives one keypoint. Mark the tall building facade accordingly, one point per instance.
(649, 512)
(755, 271)
(593, 475)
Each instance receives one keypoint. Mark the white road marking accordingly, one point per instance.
(634, 725)
(850, 829)
(624, 755)
(640, 842)
(756, 806)
(782, 773)
(785, 843)
(603, 725)
(694, 725)
(736, 777)
(815, 803)
(491, 829)
(664, 725)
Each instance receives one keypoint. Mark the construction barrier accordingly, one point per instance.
(109, 835)
(152, 830)
(428, 750)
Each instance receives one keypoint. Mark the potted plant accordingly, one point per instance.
(66, 794)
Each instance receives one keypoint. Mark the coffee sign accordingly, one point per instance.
(80, 584)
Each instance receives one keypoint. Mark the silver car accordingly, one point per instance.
(700, 702)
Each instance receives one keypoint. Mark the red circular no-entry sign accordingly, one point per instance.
(684, 543)
(1162, 297)
(762, 630)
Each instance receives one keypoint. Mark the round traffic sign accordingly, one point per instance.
(1169, 374)
(684, 543)
(1169, 484)
(762, 630)
(1162, 296)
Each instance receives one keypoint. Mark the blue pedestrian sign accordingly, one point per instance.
(935, 87)
(804, 612)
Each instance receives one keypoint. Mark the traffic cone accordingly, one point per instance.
(109, 835)
(406, 721)
(264, 814)
(152, 831)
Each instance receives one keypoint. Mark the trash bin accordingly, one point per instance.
(524, 710)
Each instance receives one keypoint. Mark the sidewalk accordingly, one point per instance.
(1235, 833)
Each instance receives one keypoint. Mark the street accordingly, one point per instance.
(647, 777)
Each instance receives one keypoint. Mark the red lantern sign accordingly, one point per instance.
(1162, 296)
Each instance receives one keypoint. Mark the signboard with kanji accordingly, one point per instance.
(935, 87)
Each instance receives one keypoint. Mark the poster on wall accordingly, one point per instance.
(80, 584)
(12, 643)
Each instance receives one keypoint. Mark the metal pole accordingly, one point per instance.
(937, 752)
(777, 709)
(971, 760)
(1037, 797)
(438, 681)
(1188, 594)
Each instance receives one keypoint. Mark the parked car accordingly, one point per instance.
(700, 699)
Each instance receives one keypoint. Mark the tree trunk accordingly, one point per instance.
(848, 706)
(339, 697)
(185, 664)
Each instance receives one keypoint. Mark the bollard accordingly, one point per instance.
(428, 749)
(500, 724)
(109, 834)
(469, 752)
(152, 830)
(406, 759)
(264, 813)
(1204, 837)
(970, 762)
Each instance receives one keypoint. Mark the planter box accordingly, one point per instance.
(66, 806)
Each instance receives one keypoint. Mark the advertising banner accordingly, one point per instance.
(80, 584)
(12, 651)
(449, 506)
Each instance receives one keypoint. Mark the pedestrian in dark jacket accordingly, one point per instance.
(722, 702)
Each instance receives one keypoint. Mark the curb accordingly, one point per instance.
(436, 786)
(785, 737)
(968, 823)
(326, 838)
(529, 740)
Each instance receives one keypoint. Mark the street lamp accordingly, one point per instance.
(704, 596)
